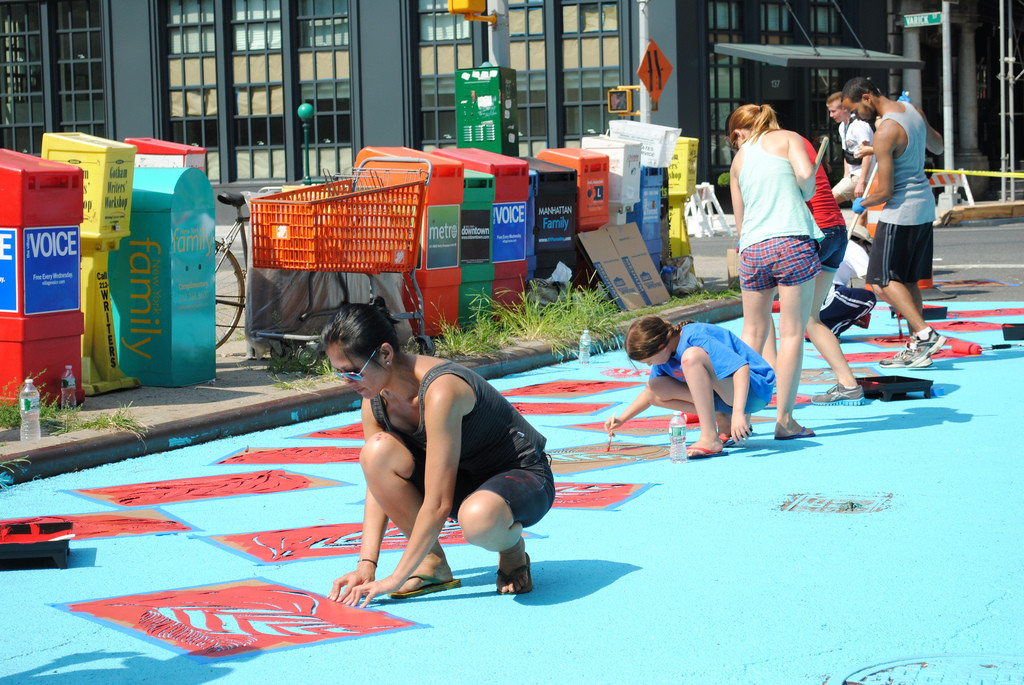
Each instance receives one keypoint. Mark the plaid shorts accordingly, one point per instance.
(789, 260)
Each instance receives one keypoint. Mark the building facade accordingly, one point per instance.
(229, 75)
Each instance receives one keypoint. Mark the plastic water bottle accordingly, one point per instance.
(584, 356)
(677, 438)
(28, 402)
(67, 389)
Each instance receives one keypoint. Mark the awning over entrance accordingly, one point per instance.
(822, 57)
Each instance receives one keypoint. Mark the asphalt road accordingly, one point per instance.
(976, 251)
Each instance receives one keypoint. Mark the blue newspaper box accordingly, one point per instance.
(162, 280)
(646, 214)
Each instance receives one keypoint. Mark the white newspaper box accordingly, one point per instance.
(623, 167)
(657, 143)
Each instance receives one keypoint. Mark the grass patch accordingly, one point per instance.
(495, 326)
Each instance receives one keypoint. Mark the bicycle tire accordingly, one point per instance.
(230, 294)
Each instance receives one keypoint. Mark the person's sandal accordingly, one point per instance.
(509, 579)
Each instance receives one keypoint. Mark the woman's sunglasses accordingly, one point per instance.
(354, 376)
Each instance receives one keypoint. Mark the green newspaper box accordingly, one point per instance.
(486, 113)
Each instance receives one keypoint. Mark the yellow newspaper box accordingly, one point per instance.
(108, 170)
(682, 183)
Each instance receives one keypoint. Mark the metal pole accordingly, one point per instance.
(644, 38)
(947, 90)
(498, 45)
(1011, 86)
(1002, 100)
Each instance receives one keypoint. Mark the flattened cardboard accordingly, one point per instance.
(621, 259)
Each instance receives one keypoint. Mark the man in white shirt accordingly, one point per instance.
(853, 132)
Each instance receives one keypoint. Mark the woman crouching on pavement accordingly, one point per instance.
(439, 442)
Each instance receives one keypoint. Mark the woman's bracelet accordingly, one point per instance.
(369, 560)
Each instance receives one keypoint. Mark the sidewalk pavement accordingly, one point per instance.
(243, 398)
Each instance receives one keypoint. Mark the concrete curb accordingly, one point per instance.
(106, 448)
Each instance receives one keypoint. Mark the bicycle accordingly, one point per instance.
(229, 274)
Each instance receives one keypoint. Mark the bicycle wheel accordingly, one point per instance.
(230, 289)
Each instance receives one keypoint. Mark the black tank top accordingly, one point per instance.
(495, 437)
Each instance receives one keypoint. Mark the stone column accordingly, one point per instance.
(967, 154)
(911, 50)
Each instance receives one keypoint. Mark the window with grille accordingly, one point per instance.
(590, 53)
(258, 78)
(446, 45)
(81, 97)
(725, 82)
(528, 52)
(192, 77)
(325, 82)
(22, 117)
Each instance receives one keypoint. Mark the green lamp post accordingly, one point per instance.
(305, 113)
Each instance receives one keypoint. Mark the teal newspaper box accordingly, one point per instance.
(162, 280)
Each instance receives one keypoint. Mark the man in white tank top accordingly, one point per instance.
(902, 251)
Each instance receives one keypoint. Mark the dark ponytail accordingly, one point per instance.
(359, 329)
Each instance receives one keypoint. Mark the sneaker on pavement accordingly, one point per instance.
(839, 394)
(913, 356)
(933, 343)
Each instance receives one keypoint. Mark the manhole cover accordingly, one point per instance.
(838, 504)
(944, 670)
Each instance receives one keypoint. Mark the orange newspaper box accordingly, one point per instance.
(591, 183)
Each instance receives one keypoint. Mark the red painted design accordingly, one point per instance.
(626, 373)
(107, 525)
(228, 620)
(206, 487)
(642, 425)
(983, 313)
(314, 542)
(562, 389)
(295, 455)
(826, 376)
(594, 495)
(874, 357)
(968, 283)
(353, 431)
(800, 400)
(589, 457)
(957, 326)
(533, 408)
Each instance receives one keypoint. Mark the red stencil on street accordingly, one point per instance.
(605, 496)
(564, 389)
(316, 542)
(295, 455)
(556, 408)
(108, 524)
(206, 487)
(231, 619)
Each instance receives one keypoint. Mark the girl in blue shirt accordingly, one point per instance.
(701, 369)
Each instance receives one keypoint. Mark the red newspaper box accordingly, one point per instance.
(163, 154)
(438, 275)
(508, 217)
(41, 321)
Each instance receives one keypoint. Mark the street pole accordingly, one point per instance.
(305, 113)
(644, 37)
(947, 97)
(1003, 157)
(498, 45)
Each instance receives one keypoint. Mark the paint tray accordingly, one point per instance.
(888, 387)
(47, 540)
(1013, 331)
(931, 312)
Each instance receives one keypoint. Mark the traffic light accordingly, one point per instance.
(467, 6)
(620, 100)
(472, 10)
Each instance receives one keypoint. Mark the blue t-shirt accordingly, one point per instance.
(727, 352)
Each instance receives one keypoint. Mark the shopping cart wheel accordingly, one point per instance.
(425, 345)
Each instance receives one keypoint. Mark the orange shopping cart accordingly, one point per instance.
(364, 223)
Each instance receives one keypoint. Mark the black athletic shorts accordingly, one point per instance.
(529, 491)
(900, 253)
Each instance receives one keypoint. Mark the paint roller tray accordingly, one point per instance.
(887, 387)
(1013, 331)
(47, 540)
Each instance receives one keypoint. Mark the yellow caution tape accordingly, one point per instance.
(995, 174)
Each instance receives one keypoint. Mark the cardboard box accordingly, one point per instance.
(620, 257)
